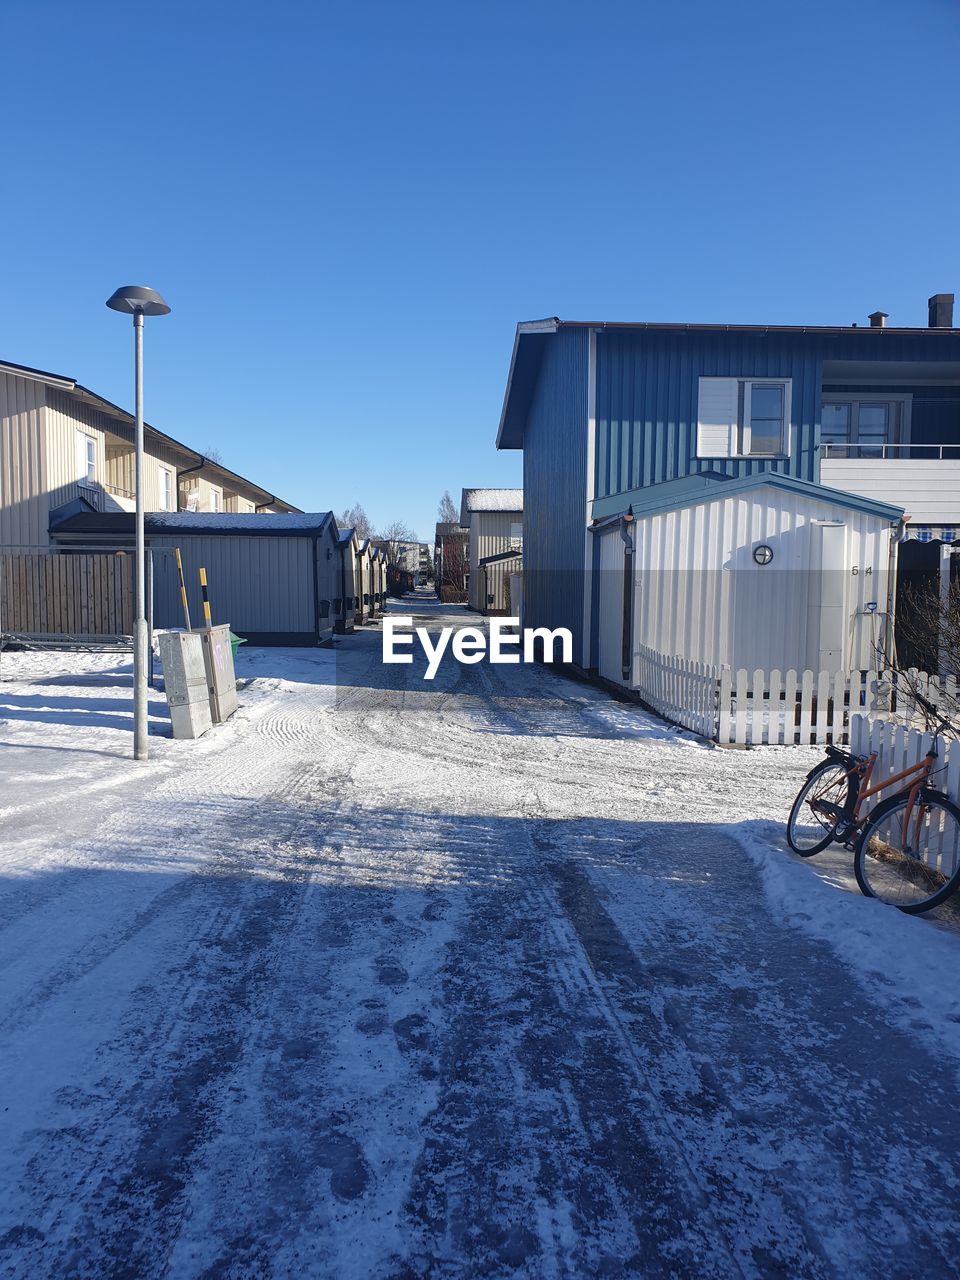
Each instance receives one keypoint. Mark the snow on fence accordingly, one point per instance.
(751, 708)
(898, 746)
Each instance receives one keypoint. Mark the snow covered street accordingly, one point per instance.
(485, 976)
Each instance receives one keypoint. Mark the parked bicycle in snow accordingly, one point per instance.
(906, 849)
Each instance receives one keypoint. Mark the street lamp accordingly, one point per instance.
(135, 300)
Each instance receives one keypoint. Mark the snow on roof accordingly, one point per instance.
(249, 522)
(489, 500)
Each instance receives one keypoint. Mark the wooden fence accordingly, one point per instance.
(69, 594)
(897, 746)
(777, 708)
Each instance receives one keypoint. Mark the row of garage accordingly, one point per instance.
(277, 579)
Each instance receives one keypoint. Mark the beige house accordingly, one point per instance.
(494, 520)
(62, 444)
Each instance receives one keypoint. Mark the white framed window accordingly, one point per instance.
(166, 489)
(516, 535)
(861, 425)
(86, 458)
(216, 500)
(744, 417)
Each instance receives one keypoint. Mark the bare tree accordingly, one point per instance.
(213, 455)
(356, 518)
(447, 513)
(395, 537)
(451, 569)
(925, 670)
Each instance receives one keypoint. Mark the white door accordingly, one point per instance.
(831, 622)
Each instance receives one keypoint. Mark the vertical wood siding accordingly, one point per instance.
(647, 387)
(701, 597)
(24, 505)
(647, 395)
(257, 584)
(554, 489)
(489, 535)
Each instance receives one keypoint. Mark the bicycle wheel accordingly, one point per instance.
(817, 810)
(917, 870)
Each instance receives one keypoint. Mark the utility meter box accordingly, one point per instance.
(185, 682)
(221, 678)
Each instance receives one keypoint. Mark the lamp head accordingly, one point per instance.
(136, 299)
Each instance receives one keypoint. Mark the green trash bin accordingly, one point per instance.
(235, 643)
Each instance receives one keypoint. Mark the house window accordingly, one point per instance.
(516, 536)
(216, 500)
(743, 417)
(166, 489)
(860, 426)
(86, 458)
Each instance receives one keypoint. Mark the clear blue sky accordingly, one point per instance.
(350, 206)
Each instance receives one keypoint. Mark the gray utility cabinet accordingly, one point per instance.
(185, 682)
(221, 678)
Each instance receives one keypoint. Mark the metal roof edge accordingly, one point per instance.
(646, 502)
(524, 328)
(60, 380)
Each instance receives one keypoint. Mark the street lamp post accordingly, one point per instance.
(138, 301)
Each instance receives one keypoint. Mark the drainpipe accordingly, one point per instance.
(897, 535)
(261, 506)
(627, 528)
(189, 471)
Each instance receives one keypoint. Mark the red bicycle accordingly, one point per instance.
(906, 850)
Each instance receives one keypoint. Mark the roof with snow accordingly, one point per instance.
(489, 500)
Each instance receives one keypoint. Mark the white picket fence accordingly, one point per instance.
(753, 708)
(898, 746)
(684, 692)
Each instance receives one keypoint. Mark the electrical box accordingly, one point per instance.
(221, 679)
(185, 682)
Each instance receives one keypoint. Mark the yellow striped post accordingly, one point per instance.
(206, 599)
(183, 588)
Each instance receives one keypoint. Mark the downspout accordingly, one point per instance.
(897, 535)
(316, 589)
(189, 471)
(627, 528)
(261, 506)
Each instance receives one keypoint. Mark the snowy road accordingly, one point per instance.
(480, 977)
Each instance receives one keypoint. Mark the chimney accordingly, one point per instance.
(878, 319)
(940, 311)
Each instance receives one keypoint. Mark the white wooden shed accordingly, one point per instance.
(760, 572)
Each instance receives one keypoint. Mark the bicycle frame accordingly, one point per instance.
(920, 772)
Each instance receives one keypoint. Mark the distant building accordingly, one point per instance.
(494, 521)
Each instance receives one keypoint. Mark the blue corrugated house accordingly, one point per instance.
(624, 420)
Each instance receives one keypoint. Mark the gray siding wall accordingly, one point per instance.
(647, 396)
(647, 391)
(256, 584)
(554, 489)
(24, 506)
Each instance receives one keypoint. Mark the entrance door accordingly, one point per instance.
(611, 606)
(831, 618)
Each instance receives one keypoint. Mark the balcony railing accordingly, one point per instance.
(120, 493)
(922, 452)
